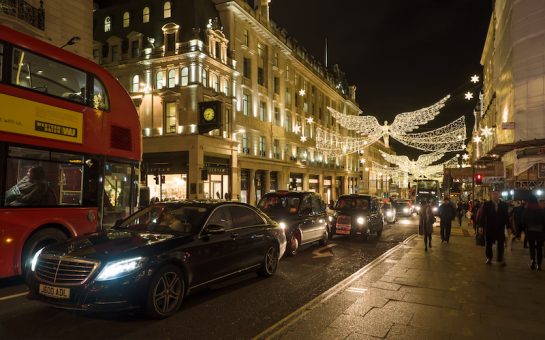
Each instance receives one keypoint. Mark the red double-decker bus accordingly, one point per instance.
(70, 148)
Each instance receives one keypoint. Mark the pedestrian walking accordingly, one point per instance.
(533, 218)
(460, 212)
(426, 223)
(474, 208)
(447, 215)
(494, 218)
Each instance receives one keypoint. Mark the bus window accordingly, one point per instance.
(45, 75)
(117, 191)
(100, 97)
(42, 178)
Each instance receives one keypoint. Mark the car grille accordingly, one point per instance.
(63, 270)
(343, 220)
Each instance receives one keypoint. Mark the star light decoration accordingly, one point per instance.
(303, 139)
(475, 79)
(468, 95)
(296, 128)
(310, 120)
(302, 92)
(465, 157)
(486, 132)
(477, 139)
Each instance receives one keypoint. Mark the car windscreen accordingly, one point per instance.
(277, 204)
(360, 203)
(167, 219)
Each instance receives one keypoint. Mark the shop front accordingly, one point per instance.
(314, 183)
(327, 189)
(166, 175)
(274, 181)
(245, 185)
(259, 184)
(296, 181)
(339, 186)
(216, 178)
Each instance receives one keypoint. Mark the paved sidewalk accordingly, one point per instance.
(445, 293)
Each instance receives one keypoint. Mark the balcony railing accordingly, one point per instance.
(24, 11)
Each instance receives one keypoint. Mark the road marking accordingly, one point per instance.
(320, 252)
(274, 330)
(13, 296)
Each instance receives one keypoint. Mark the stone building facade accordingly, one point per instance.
(271, 95)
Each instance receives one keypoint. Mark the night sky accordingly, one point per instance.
(401, 55)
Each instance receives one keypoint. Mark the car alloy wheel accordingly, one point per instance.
(270, 262)
(294, 244)
(166, 292)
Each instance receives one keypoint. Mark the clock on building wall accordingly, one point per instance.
(209, 116)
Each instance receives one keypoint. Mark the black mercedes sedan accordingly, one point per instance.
(152, 259)
(357, 215)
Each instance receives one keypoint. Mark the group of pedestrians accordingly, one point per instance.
(494, 218)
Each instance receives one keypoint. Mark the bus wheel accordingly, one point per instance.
(37, 241)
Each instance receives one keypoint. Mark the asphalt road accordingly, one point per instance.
(237, 309)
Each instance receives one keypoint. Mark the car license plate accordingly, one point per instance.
(343, 230)
(55, 292)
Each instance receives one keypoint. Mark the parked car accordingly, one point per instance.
(403, 209)
(389, 213)
(302, 215)
(156, 256)
(357, 215)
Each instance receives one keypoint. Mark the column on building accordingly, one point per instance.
(196, 165)
(267, 175)
(251, 187)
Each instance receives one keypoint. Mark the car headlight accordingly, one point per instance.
(389, 213)
(282, 225)
(417, 208)
(406, 210)
(434, 209)
(330, 218)
(35, 259)
(360, 220)
(117, 269)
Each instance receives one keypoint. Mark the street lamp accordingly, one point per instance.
(72, 41)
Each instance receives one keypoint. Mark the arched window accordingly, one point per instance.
(159, 80)
(145, 15)
(135, 83)
(107, 24)
(217, 83)
(171, 78)
(185, 76)
(205, 77)
(126, 19)
(166, 10)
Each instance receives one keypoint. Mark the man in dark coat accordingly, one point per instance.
(446, 214)
(494, 218)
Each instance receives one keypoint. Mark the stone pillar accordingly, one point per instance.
(321, 187)
(196, 164)
(267, 188)
(251, 188)
(305, 182)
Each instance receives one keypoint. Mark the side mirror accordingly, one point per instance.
(214, 229)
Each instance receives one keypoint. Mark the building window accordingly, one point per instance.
(276, 149)
(288, 97)
(159, 80)
(262, 147)
(217, 83)
(275, 59)
(246, 67)
(260, 76)
(287, 72)
(166, 10)
(276, 85)
(135, 48)
(246, 40)
(170, 42)
(126, 19)
(171, 78)
(145, 15)
(226, 87)
(245, 104)
(185, 76)
(170, 118)
(135, 85)
(115, 52)
(245, 148)
(107, 24)
(276, 116)
(205, 77)
(262, 111)
(288, 122)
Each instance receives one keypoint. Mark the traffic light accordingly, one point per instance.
(478, 179)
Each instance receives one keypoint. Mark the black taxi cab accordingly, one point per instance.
(357, 215)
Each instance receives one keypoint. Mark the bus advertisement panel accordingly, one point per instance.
(70, 148)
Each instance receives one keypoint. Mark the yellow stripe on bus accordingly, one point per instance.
(26, 117)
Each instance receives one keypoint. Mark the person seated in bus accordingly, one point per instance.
(30, 190)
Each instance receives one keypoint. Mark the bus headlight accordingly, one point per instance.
(360, 220)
